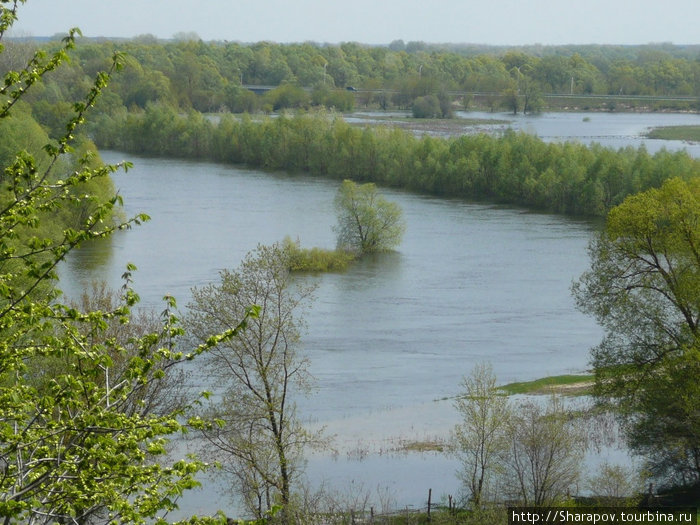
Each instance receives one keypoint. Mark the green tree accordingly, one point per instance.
(426, 107)
(161, 397)
(76, 445)
(241, 100)
(445, 104)
(643, 287)
(196, 79)
(259, 439)
(510, 99)
(532, 98)
(337, 99)
(367, 222)
(287, 96)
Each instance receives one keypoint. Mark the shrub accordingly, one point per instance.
(316, 259)
(426, 107)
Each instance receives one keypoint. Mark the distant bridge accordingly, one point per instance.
(261, 90)
(258, 90)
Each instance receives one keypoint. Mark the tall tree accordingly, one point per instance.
(259, 439)
(367, 222)
(644, 288)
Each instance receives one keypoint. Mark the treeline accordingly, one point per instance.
(514, 168)
(142, 112)
(208, 76)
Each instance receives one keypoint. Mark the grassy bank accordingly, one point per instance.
(689, 133)
(565, 384)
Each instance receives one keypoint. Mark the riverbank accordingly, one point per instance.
(381, 448)
(567, 385)
(563, 385)
(676, 130)
(684, 133)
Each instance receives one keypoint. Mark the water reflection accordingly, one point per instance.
(371, 271)
(86, 264)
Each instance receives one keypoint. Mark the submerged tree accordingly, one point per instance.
(644, 288)
(259, 438)
(367, 222)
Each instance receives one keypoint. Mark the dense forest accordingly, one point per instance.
(156, 106)
(514, 168)
(208, 77)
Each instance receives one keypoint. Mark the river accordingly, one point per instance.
(614, 130)
(390, 339)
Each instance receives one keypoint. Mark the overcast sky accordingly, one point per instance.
(499, 22)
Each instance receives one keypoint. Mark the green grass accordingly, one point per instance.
(568, 385)
(689, 133)
(316, 259)
(422, 446)
(565, 384)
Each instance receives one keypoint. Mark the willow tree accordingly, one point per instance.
(644, 288)
(367, 222)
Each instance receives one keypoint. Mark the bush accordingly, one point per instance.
(241, 100)
(338, 99)
(287, 96)
(426, 107)
(316, 259)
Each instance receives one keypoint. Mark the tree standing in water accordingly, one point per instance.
(367, 222)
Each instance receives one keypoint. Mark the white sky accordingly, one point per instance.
(498, 22)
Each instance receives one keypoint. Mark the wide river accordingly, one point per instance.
(390, 339)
